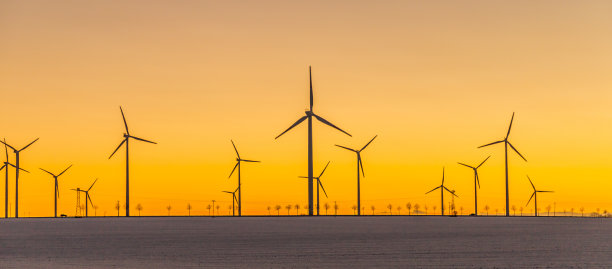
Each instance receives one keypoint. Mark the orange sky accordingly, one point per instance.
(433, 80)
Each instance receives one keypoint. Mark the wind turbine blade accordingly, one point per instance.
(478, 180)
(368, 143)
(483, 162)
(57, 189)
(295, 124)
(3, 167)
(545, 191)
(6, 149)
(320, 175)
(64, 170)
(19, 168)
(144, 140)
(302, 177)
(346, 148)
(311, 94)
(89, 197)
(465, 165)
(534, 189)
(228, 192)
(496, 142)
(124, 121)
(510, 127)
(92, 184)
(433, 189)
(237, 188)
(3, 142)
(235, 149)
(330, 124)
(322, 188)
(29, 144)
(121, 144)
(237, 163)
(533, 194)
(516, 150)
(451, 192)
(250, 161)
(47, 172)
(360, 164)
(442, 176)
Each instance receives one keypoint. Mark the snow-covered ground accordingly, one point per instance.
(321, 242)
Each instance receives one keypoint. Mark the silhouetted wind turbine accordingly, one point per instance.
(238, 161)
(56, 194)
(5, 166)
(319, 186)
(309, 114)
(476, 181)
(87, 197)
(359, 166)
(442, 189)
(16, 151)
(534, 195)
(506, 144)
(126, 140)
(234, 200)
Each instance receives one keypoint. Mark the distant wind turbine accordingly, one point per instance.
(16, 151)
(5, 166)
(238, 161)
(320, 186)
(534, 196)
(442, 189)
(234, 200)
(309, 114)
(87, 197)
(359, 167)
(506, 144)
(476, 181)
(126, 140)
(56, 194)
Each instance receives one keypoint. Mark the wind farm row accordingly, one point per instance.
(312, 180)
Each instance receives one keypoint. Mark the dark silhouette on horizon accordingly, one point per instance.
(6, 180)
(238, 161)
(56, 194)
(126, 140)
(534, 196)
(506, 143)
(319, 186)
(16, 151)
(476, 181)
(442, 189)
(87, 197)
(359, 167)
(309, 114)
(233, 193)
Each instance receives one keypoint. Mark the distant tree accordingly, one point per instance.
(278, 208)
(582, 211)
(208, 207)
(390, 207)
(139, 208)
(514, 210)
(496, 211)
(597, 211)
(229, 210)
(373, 208)
(326, 208)
(335, 208)
(169, 207)
(605, 213)
(95, 210)
(288, 207)
(117, 206)
(363, 209)
(572, 211)
(434, 209)
(548, 210)
(521, 209)
(461, 210)
(487, 209)
(189, 209)
(409, 207)
(354, 207)
(416, 209)
(218, 206)
(297, 209)
(269, 207)
(399, 210)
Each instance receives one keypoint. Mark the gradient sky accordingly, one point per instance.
(434, 80)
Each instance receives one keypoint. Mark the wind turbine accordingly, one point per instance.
(476, 181)
(234, 200)
(56, 194)
(506, 144)
(126, 140)
(320, 186)
(309, 114)
(16, 151)
(534, 195)
(359, 166)
(442, 189)
(87, 197)
(5, 166)
(238, 161)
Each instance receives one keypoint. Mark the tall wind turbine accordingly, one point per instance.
(56, 194)
(234, 200)
(359, 166)
(238, 161)
(476, 181)
(309, 114)
(506, 144)
(87, 197)
(534, 195)
(442, 189)
(320, 186)
(126, 140)
(5, 166)
(16, 151)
